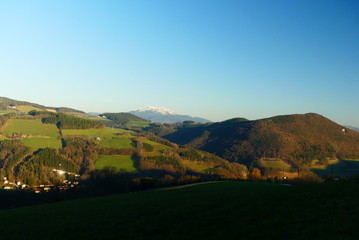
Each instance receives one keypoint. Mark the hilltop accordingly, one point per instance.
(11, 105)
(300, 140)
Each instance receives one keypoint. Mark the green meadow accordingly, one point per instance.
(274, 163)
(98, 132)
(26, 109)
(195, 166)
(34, 127)
(157, 148)
(139, 124)
(118, 162)
(210, 211)
(117, 143)
(2, 112)
(37, 143)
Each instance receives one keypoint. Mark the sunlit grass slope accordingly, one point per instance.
(34, 127)
(100, 132)
(36, 143)
(226, 210)
(26, 109)
(117, 143)
(119, 162)
(274, 164)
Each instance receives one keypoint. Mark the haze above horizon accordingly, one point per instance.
(210, 59)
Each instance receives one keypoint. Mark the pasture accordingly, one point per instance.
(138, 124)
(115, 161)
(222, 210)
(157, 148)
(274, 164)
(34, 127)
(2, 112)
(195, 165)
(26, 109)
(38, 142)
(117, 143)
(98, 132)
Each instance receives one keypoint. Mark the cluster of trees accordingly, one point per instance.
(82, 151)
(64, 121)
(39, 168)
(121, 119)
(115, 151)
(158, 139)
(3, 120)
(11, 153)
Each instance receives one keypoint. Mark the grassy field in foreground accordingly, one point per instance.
(36, 143)
(225, 210)
(34, 127)
(118, 162)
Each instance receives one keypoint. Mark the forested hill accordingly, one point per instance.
(123, 118)
(298, 139)
(5, 102)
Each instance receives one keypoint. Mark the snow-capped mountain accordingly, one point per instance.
(164, 115)
(161, 110)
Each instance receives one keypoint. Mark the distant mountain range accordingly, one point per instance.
(164, 115)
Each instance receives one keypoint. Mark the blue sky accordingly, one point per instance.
(212, 59)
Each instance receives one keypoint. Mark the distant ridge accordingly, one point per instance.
(164, 115)
(353, 128)
(6, 102)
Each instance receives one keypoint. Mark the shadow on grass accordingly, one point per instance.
(344, 168)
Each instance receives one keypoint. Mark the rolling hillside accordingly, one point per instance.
(300, 140)
(52, 143)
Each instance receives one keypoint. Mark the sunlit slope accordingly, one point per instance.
(298, 139)
(34, 133)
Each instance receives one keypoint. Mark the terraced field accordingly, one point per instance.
(119, 162)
